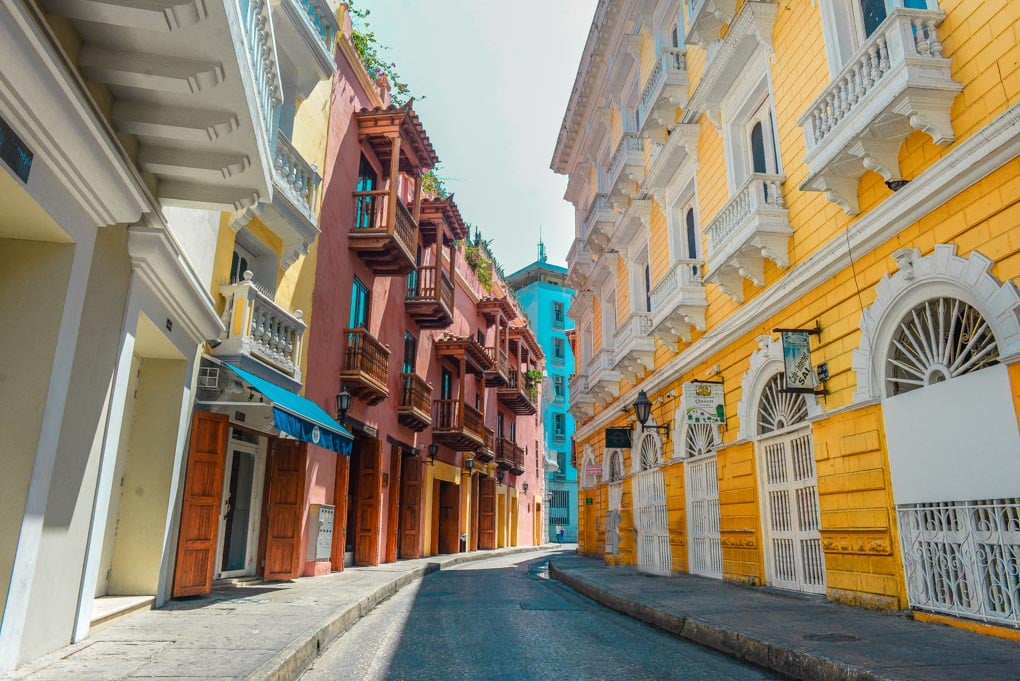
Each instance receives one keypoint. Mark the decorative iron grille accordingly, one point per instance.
(963, 558)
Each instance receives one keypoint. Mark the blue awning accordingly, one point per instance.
(299, 417)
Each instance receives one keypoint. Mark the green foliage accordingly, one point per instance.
(433, 185)
(369, 50)
(533, 376)
(478, 261)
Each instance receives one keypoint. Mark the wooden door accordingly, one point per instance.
(487, 513)
(473, 537)
(449, 518)
(200, 511)
(410, 508)
(393, 510)
(366, 545)
(336, 556)
(286, 510)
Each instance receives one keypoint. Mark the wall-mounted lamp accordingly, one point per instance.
(214, 343)
(469, 464)
(525, 488)
(499, 476)
(433, 451)
(643, 409)
(343, 404)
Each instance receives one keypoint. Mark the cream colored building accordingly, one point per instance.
(154, 130)
(845, 167)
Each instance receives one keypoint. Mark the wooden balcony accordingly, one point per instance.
(509, 456)
(385, 234)
(517, 395)
(458, 426)
(415, 401)
(366, 366)
(430, 298)
(499, 374)
(488, 452)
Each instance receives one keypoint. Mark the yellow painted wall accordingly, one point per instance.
(622, 290)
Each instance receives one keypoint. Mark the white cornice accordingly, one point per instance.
(971, 160)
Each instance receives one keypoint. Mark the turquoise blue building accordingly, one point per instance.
(543, 293)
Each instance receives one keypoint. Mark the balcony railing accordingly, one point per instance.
(752, 226)
(518, 395)
(366, 366)
(582, 403)
(628, 160)
(296, 177)
(261, 50)
(598, 224)
(458, 428)
(430, 297)
(897, 82)
(414, 410)
(678, 302)
(387, 239)
(634, 345)
(664, 91)
(603, 379)
(257, 327)
(705, 18)
(320, 20)
(509, 455)
(501, 363)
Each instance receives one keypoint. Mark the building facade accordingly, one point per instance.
(165, 417)
(546, 299)
(845, 168)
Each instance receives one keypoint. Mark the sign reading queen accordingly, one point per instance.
(703, 402)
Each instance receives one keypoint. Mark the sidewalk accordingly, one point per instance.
(799, 637)
(264, 632)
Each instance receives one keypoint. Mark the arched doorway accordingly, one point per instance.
(702, 487)
(786, 464)
(650, 517)
(614, 459)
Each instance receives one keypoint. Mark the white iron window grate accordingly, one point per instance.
(778, 410)
(963, 558)
(613, 518)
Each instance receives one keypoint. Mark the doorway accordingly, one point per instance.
(409, 529)
(651, 518)
(243, 478)
(354, 470)
(449, 517)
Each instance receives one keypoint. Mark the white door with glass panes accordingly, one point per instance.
(702, 482)
(651, 519)
(786, 461)
(242, 496)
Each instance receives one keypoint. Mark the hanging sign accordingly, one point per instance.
(800, 376)
(618, 438)
(14, 152)
(593, 469)
(703, 402)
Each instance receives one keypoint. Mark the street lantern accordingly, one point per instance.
(525, 489)
(643, 409)
(433, 451)
(469, 464)
(343, 404)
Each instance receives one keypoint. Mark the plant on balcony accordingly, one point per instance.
(477, 260)
(433, 185)
(532, 379)
(369, 48)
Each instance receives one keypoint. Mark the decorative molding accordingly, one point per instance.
(943, 273)
(970, 160)
(766, 362)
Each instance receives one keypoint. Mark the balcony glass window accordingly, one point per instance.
(367, 180)
(359, 305)
(242, 260)
(500, 423)
(559, 424)
(558, 313)
(648, 287)
(410, 352)
(847, 23)
(764, 156)
(559, 386)
(513, 430)
(446, 386)
(558, 349)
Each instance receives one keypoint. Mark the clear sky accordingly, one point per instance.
(496, 77)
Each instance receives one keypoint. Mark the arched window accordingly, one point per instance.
(699, 440)
(778, 410)
(939, 339)
(615, 466)
(650, 456)
(758, 163)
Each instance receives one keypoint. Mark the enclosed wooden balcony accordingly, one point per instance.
(385, 234)
(509, 456)
(458, 426)
(499, 374)
(430, 297)
(414, 410)
(366, 366)
(517, 395)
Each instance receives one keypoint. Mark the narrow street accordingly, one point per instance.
(468, 621)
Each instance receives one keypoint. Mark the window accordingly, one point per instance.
(608, 318)
(558, 315)
(365, 208)
(480, 337)
(410, 352)
(513, 430)
(586, 347)
(648, 287)
(761, 141)
(559, 424)
(558, 349)
(559, 386)
(446, 386)
(359, 305)
(248, 256)
(242, 261)
(846, 24)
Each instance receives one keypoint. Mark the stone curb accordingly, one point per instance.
(291, 661)
(789, 662)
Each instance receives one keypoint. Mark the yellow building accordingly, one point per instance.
(843, 167)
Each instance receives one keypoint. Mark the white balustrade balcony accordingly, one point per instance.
(581, 403)
(260, 333)
(292, 212)
(752, 226)
(579, 265)
(196, 84)
(665, 90)
(679, 302)
(635, 346)
(306, 32)
(598, 224)
(896, 83)
(705, 19)
(603, 379)
(627, 167)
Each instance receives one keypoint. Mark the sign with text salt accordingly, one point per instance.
(800, 376)
(703, 402)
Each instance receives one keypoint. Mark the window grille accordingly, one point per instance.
(560, 499)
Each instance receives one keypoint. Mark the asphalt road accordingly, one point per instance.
(503, 619)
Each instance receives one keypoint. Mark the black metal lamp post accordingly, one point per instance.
(643, 409)
(343, 404)
(525, 489)
(469, 464)
(433, 452)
